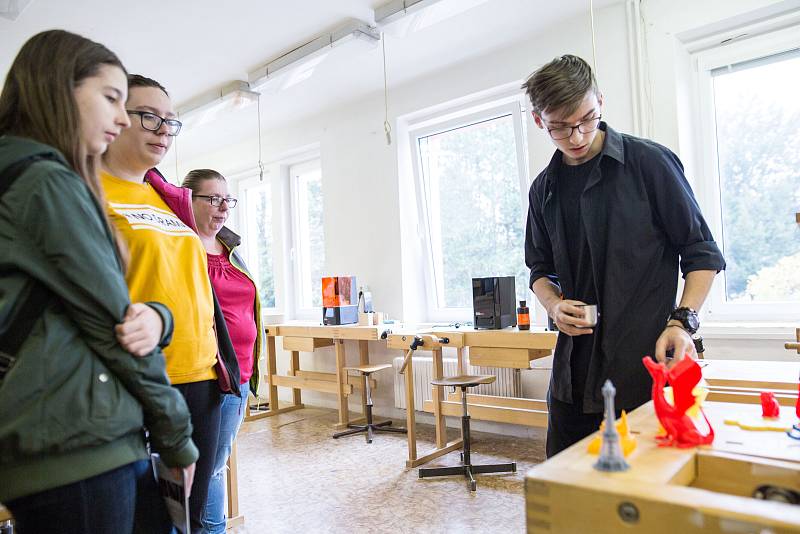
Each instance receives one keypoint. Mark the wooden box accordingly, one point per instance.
(669, 490)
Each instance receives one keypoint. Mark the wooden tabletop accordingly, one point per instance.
(654, 463)
(665, 482)
(317, 330)
(534, 339)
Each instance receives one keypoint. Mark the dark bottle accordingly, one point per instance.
(523, 316)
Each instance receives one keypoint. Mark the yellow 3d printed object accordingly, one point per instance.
(626, 440)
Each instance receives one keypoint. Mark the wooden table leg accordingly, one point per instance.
(441, 426)
(410, 415)
(232, 487)
(272, 368)
(233, 483)
(341, 375)
(294, 366)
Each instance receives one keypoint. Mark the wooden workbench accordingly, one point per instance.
(743, 381)
(668, 490)
(307, 337)
(491, 348)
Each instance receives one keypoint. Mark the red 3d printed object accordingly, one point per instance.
(769, 405)
(680, 429)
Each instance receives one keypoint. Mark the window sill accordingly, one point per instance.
(272, 317)
(748, 330)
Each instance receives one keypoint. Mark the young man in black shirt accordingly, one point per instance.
(609, 221)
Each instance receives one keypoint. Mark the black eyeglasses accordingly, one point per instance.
(584, 127)
(216, 201)
(152, 122)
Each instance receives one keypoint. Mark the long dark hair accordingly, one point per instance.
(38, 99)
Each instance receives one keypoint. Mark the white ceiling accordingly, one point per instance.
(192, 46)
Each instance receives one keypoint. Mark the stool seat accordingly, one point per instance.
(464, 381)
(367, 369)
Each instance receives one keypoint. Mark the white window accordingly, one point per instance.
(257, 227)
(308, 244)
(750, 124)
(471, 182)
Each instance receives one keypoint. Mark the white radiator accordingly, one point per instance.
(508, 383)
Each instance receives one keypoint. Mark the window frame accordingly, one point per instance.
(297, 247)
(716, 308)
(514, 105)
(243, 184)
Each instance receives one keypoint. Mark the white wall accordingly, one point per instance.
(362, 178)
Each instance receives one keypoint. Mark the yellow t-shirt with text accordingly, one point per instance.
(168, 264)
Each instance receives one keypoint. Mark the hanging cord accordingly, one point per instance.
(594, 46)
(386, 126)
(260, 161)
(647, 81)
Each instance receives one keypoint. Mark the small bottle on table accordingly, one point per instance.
(523, 316)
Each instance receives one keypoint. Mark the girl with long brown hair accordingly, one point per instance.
(78, 388)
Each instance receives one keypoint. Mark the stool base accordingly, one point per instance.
(468, 471)
(369, 429)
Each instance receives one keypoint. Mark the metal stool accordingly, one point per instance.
(467, 469)
(369, 428)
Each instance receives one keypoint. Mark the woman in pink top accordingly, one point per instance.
(241, 306)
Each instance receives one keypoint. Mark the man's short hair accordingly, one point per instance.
(137, 80)
(560, 85)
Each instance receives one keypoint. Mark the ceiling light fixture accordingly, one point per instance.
(402, 17)
(11, 9)
(204, 108)
(299, 64)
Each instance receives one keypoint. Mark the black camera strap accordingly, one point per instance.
(24, 313)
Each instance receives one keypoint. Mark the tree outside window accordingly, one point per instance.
(757, 115)
(476, 217)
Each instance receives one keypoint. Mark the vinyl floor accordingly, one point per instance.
(293, 477)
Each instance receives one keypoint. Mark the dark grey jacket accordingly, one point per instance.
(641, 219)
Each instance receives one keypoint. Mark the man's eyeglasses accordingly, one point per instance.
(216, 201)
(584, 127)
(152, 122)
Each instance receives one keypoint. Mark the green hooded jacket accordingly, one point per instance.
(75, 403)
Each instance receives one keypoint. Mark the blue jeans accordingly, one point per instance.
(125, 499)
(233, 409)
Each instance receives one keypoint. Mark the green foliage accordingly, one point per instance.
(778, 282)
(316, 237)
(759, 165)
(482, 220)
(266, 271)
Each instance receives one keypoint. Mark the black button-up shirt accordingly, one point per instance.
(640, 218)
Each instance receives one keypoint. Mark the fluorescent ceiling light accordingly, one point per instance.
(402, 17)
(11, 9)
(204, 108)
(299, 64)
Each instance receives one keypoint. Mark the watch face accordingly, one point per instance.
(687, 317)
(692, 321)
